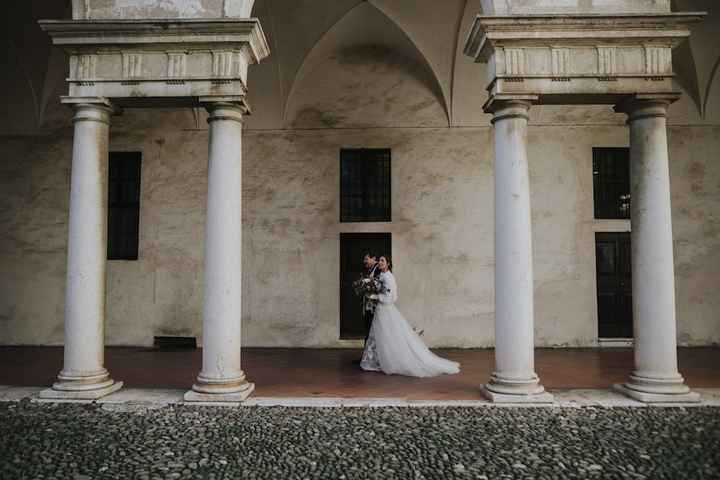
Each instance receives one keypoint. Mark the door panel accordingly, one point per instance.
(353, 247)
(614, 285)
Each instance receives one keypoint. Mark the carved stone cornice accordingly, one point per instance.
(585, 58)
(159, 61)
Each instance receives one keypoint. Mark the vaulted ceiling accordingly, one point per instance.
(304, 34)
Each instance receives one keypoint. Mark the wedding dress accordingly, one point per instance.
(393, 347)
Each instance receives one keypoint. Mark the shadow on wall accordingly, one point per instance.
(367, 86)
(26, 53)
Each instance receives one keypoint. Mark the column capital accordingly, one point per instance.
(91, 109)
(509, 106)
(225, 108)
(646, 105)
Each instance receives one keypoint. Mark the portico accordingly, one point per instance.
(454, 204)
(536, 59)
(116, 62)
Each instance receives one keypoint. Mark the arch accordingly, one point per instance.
(366, 86)
(435, 40)
(364, 24)
(456, 52)
(702, 49)
(26, 53)
(686, 74)
(238, 8)
(709, 90)
(467, 94)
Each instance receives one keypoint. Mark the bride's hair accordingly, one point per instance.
(388, 260)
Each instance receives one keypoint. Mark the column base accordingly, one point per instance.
(65, 391)
(515, 389)
(208, 389)
(221, 397)
(653, 397)
(539, 395)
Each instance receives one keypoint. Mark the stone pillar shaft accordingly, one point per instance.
(656, 376)
(514, 379)
(221, 377)
(83, 374)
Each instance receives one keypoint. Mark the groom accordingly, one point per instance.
(371, 270)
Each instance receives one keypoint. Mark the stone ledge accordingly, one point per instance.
(573, 398)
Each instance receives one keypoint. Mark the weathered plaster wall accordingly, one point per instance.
(34, 200)
(444, 266)
(368, 86)
(695, 177)
(442, 232)
(442, 202)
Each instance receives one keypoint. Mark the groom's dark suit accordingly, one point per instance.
(368, 314)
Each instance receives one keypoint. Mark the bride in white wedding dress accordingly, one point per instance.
(392, 346)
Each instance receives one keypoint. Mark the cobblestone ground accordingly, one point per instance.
(64, 441)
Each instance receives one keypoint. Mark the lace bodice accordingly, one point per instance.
(389, 293)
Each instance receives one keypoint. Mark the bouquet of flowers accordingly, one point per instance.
(366, 286)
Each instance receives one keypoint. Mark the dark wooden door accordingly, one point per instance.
(353, 247)
(614, 285)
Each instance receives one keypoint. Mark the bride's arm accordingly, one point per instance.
(389, 294)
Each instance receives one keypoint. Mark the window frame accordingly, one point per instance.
(364, 155)
(603, 210)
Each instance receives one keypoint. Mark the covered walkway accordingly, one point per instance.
(333, 373)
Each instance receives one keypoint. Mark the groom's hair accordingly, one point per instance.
(370, 255)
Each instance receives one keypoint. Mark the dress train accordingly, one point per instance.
(393, 347)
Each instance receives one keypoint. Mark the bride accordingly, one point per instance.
(392, 346)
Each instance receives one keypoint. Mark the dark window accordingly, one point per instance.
(611, 183)
(365, 185)
(123, 205)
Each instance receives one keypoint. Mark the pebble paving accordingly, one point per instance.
(82, 442)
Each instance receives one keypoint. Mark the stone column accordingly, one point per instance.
(84, 375)
(656, 377)
(221, 378)
(514, 379)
